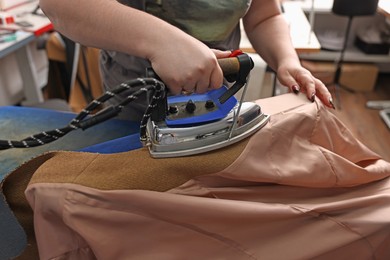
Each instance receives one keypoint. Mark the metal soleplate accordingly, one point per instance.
(166, 142)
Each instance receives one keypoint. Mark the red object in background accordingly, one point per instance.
(9, 20)
(6, 19)
(47, 28)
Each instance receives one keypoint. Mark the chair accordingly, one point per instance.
(349, 8)
(73, 74)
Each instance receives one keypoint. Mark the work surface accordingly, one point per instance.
(303, 150)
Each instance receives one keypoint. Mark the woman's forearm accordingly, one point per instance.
(269, 34)
(108, 25)
(274, 46)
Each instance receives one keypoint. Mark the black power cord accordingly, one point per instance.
(140, 86)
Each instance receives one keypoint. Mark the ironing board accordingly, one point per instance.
(302, 184)
(17, 123)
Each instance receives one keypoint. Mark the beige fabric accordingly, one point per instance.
(229, 220)
(301, 188)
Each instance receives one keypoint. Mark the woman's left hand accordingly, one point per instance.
(299, 79)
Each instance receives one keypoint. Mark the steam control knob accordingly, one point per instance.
(173, 109)
(190, 106)
(209, 104)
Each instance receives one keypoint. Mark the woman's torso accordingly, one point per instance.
(216, 23)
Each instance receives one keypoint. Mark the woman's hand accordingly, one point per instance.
(269, 35)
(186, 64)
(299, 79)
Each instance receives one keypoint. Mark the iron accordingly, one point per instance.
(199, 123)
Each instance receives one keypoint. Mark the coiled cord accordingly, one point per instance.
(155, 87)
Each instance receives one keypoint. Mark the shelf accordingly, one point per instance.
(323, 6)
(326, 20)
(352, 54)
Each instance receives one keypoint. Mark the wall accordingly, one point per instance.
(5, 4)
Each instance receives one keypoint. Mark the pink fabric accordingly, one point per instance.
(303, 188)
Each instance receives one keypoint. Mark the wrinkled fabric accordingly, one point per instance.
(302, 187)
(236, 221)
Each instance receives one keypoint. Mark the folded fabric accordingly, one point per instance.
(302, 187)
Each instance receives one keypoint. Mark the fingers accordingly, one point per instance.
(206, 77)
(198, 80)
(195, 85)
(324, 94)
(197, 74)
(221, 54)
(306, 83)
(216, 78)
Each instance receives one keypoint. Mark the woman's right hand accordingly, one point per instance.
(185, 64)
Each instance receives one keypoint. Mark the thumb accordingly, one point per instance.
(221, 54)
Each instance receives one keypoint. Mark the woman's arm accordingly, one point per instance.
(181, 61)
(269, 34)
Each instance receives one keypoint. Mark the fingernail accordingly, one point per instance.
(295, 89)
(313, 97)
(331, 103)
